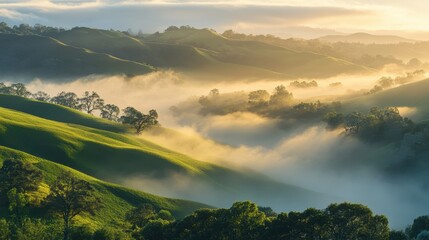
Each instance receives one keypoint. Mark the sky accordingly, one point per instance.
(286, 18)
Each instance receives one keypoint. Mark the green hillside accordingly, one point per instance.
(413, 95)
(257, 54)
(203, 53)
(126, 47)
(117, 157)
(117, 200)
(58, 113)
(37, 56)
(366, 38)
(186, 58)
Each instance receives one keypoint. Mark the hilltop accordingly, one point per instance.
(413, 96)
(39, 56)
(366, 38)
(78, 52)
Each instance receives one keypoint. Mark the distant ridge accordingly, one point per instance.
(366, 38)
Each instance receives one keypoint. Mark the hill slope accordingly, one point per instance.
(125, 159)
(117, 200)
(413, 95)
(38, 56)
(257, 54)
(181, 57)
(366, 38)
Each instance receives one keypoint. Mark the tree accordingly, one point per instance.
(110, 112)
(333, 120)
(20, 175)
(141, 215)
(4, 229)
(355, 221)
(71, 197)
(90, 102)
(19, 89)
(397, 235)
(423, 235)
(281, 97)
(155, 230)
(258, 98)
(67, 99)
(17, 205)
(245, 221)
(419, 224)
(41, 96)
(139, 120)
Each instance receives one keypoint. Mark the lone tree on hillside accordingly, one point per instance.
(90, 102)
(139, 120)
(71, 197)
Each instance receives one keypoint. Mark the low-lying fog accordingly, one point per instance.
(305, 155)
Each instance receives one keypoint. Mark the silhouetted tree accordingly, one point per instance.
(419, 224)
(423, 235)
(397, 235)
(67, 99)
(139, 120)
(90, 102)
(110, 112)
(281, 97)
(258, 97)
(41, 96)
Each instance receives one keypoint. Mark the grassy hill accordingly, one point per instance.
(413, 95)
(186, 58)
(203, 53)
(58, 113)
(257, 54)
(126, 47)
(117, 200)
(121, 158)
(38, 56)
(366, 38)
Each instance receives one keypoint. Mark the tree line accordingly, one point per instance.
(89, 102)
(70, 197)
(280, 103)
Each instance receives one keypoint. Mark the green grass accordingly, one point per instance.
(86, 146)
(202, 53)
(258, 54)
(38, 56)
(412, 95)
(58, 113)
(116, 200)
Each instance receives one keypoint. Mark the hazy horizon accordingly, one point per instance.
(289, 18)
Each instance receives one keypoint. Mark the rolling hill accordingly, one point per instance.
(412, 95)
(256, 54)
(117, 200)
(38, 56)
(125, 159)
(366, 38)
(185, 58)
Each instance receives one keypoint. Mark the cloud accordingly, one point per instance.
(14, 15)
(151, 16)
